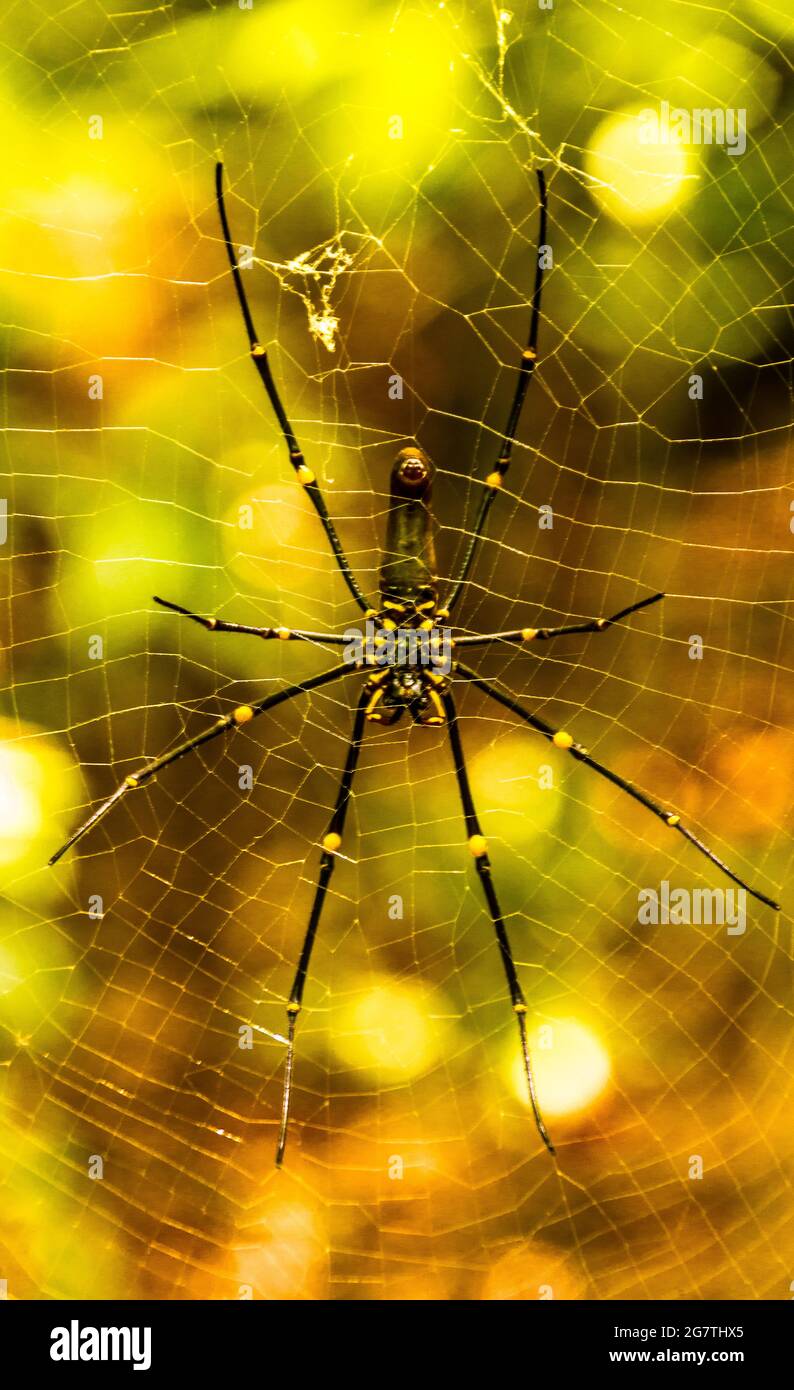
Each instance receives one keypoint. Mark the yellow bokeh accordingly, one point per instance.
(390, 1027)
(10, 973)
(516, 804)
(21, 790)
(637, 181)
(37, 781)
(571, 1065)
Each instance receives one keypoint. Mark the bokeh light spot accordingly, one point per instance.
(571, 1071)
(21, 782)
(388, 1027)
(637, 181)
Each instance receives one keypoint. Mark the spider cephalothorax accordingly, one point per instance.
(406, 654)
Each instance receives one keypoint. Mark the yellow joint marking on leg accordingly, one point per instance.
(442, 613)
(562, 740)
(426, 625)
(371, 613)
(390, 624)
(673, 819)
(293, 1008)
(212, 623)
(376, 699)
(519, 1008)
(528, 634)
(305, 475)
(494, 480)
(257, 350)
(478, 845)
(332, 841)
(283, 633)
(529, 355)
(392, 603)
(242, 714)
(420, 607)
(601, 622)
(435, 677)
(438, 707)
(131, 781)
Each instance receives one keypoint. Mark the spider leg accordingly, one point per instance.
(482, 863)
(541, 634)
(241, 715)
(260, 361)
(330, 843)
(564, 740)
(526, 371)
(287, 634)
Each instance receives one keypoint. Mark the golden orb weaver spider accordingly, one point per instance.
(410, 607)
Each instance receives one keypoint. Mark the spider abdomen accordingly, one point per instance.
(408, 568)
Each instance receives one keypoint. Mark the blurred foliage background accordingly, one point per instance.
(380, 160)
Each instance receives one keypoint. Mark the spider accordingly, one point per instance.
(396, 683)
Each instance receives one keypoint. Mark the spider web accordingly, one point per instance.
(389, 274)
